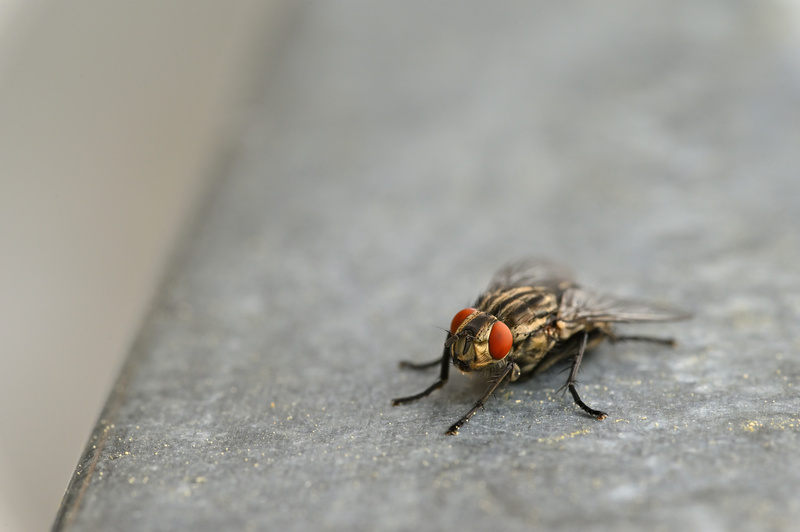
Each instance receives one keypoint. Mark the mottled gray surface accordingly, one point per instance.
(401, 153)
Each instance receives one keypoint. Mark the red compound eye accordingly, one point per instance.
(500, 340)
(459, 318)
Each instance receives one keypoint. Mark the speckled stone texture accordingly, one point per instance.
(401, 153)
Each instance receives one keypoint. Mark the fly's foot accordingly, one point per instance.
(597, 414)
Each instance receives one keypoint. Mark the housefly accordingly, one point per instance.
(532, 316)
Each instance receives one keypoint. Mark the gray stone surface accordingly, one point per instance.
(403, 152)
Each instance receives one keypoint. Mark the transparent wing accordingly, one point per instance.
(581, 305)
(531, 272)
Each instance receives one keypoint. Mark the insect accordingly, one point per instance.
(532, 316)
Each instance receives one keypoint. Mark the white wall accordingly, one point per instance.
(112, 116)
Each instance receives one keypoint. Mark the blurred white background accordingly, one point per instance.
(113, 117)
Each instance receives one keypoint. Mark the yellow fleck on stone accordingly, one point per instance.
(751, 426)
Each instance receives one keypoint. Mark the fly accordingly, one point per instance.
(532, 316)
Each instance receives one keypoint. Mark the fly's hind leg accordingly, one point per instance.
(443, 375)
(669, 342)
(571, 382)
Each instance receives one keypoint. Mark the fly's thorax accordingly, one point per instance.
(478, 340)
(564, 329)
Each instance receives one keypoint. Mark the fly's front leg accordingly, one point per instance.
(571, 382)
(443, 375)
(508, 370)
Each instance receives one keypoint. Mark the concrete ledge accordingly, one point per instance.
(403, 153)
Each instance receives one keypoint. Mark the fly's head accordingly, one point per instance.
(478, 340)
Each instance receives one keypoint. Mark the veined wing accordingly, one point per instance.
(531, 272)
(581, 305)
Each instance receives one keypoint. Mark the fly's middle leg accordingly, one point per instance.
(443, 376)
(406, 364)
(571, 382)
